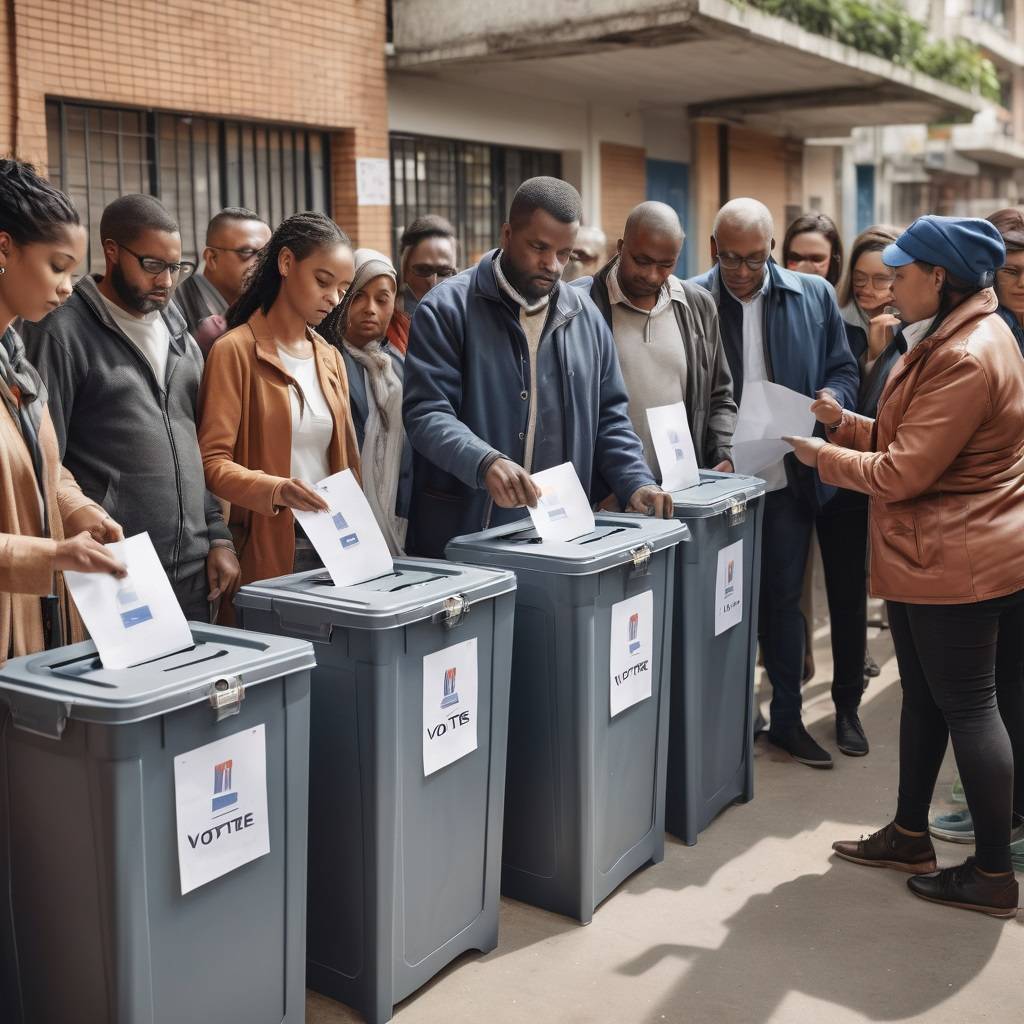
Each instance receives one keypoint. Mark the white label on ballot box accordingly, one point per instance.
(729, 588)
(562, 511)
(134, 619)
(220, 796)
(632, 651)
(449, 705)
(347, 537)
(673, 445)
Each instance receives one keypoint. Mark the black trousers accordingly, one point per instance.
(191, 593)
(962, 672)
(842, 528)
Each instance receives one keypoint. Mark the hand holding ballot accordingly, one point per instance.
(83, 554)
(768, 415)
(299, 497)
(510, 485)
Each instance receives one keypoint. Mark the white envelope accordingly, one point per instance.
(673, 445)
(563, 510)
(347, 538)
(769, 412)
(134, 619)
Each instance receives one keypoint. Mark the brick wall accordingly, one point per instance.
(623, 185)
(269, 60)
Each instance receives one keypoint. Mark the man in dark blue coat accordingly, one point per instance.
(784, 327)
(509, 373)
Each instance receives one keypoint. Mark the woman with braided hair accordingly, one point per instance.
(274, 405)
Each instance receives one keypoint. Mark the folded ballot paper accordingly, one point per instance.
(134, 619)
(347, 537)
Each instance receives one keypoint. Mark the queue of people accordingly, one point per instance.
(204, 407)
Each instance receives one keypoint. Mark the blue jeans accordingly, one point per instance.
(788, 522)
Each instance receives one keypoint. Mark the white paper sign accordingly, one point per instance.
(134, 619)
(347, 538)
(673, 445)
(449, 705)
(220, 798)
(562, 511)
(729, 588)
(768, 412)
(373, 181)
(632, 651)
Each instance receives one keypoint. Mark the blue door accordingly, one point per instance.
(865, 196)
(669, 182)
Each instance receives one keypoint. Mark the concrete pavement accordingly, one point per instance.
(757, 924)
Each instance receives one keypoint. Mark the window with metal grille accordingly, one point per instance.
(469, 183)
(194, 165)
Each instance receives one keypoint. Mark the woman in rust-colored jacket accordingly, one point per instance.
(943, 465)
(274, 414)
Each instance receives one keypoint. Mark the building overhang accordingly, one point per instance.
(721, 61)
(988, 147)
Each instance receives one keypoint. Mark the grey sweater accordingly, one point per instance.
(129, 440)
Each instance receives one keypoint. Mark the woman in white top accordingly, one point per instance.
(274, 405)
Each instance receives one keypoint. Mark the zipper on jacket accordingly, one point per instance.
(177, 484)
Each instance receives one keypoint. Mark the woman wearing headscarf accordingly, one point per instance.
(943, 464)
(359, 328)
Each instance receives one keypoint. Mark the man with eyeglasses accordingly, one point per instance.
(122, 373)
(782, 326)
(233, 240)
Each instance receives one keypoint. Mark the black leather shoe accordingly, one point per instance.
(967, 888)
(890, 848)
(800, 745)
(850, 736)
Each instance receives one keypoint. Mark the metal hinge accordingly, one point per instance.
(456, 608)
(641, 558)
(226, 696)
(736, 513)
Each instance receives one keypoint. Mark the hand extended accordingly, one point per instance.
(806, 449)
(827, 410)
(652, 501)
(297, 494)
(510, 485)
(95, 522)
(82, 553)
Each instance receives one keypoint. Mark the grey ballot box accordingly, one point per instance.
(97, 930)
(710, 753)
(404, 866)
(585, 792)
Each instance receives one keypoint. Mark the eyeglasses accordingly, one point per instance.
(730, 261)
(880, 282)
(1010, 275)
(243, 254)
(429, 270)
(155, 267)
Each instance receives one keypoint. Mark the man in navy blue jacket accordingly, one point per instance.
(785, 327)
(509, 373)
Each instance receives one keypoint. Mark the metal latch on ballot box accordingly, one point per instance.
(456, 608)
(736, 513)
(641, 558)
(226, 696)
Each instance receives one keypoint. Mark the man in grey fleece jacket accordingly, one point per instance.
(127, 432)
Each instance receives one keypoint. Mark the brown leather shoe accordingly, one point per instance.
(967, 888)
(890, 848)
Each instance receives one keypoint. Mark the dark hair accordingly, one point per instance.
(228, 214)
(128, 216)
(552, 195)
(302, 233)
(430, 225)
(822, 225)
(31, 209)
(1010, 224)
(873, 239)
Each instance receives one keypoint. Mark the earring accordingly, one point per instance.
(3, 270)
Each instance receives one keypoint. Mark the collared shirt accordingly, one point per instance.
(651, 355)
(755, 368)
(914, 333)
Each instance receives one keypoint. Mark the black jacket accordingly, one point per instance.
(129, 440)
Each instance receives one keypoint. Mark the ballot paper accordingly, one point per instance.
(134, 619)
(768, 412)
(562, 511)
(673, 445)
(347, 537)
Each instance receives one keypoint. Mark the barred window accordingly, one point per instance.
(194, 165)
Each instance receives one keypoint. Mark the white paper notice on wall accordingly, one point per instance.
(673, 445)
(449, 705)
(220, 797)
(373, 181)
(729, 588)
(632, 651)
(562, 511)
(134, 619)
(347, 537)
